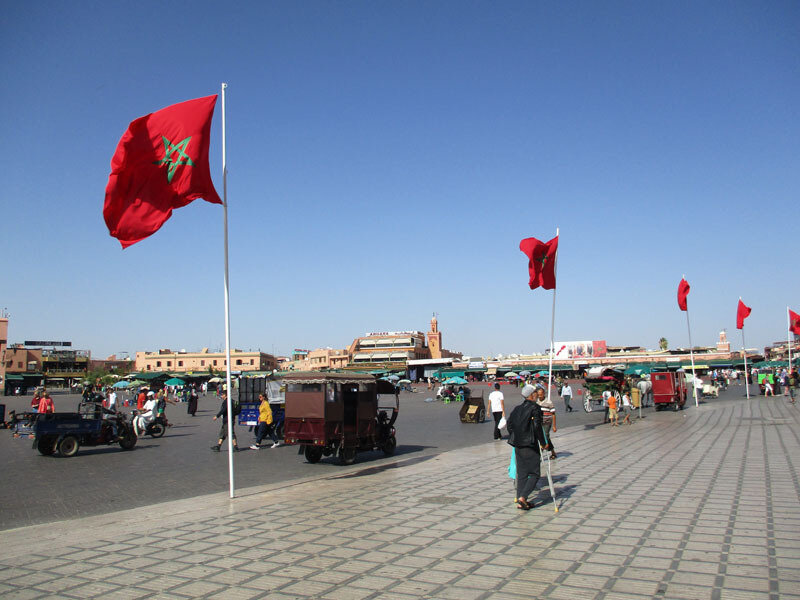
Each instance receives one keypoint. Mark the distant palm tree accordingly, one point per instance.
(663, 343)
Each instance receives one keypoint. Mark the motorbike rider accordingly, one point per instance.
(148, 416)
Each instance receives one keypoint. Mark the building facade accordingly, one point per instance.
(393, 349)
(166, 360)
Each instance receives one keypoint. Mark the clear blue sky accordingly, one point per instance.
(386, 158)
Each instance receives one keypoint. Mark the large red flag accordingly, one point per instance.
(794, 322)
(683, 291)
(541, 262)
(161, 163)
(742, 312)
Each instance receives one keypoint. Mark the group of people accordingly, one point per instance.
(787, 380)
(42, 402)
(264, 427)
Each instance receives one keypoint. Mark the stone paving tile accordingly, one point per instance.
(709, 513)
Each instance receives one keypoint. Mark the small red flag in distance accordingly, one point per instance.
(541, 262)
(161, 163)
(794, 322)
(683, 291)
(742, 312)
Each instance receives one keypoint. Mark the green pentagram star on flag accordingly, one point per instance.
(183, 158)
(139, 198)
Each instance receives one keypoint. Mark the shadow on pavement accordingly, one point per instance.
(384, 467)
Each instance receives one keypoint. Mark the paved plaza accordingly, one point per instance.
(703, 503)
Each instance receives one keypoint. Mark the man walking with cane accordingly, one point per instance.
(526, 435)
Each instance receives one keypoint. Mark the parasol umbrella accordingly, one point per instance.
(174, 382)
(215, 380)
(455, 381)
(524, 373)
(393, 377)
(404, 381)
(121, 384)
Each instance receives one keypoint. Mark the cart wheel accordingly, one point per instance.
(313, 454)
(47, 445)
(68, 446)
(347, 456)
(127, 441)
(587, 402)
(157, 430)
(677, 407)
(390, 445)
(481, 415)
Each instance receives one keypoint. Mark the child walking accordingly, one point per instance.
(612, 410)
(626, 408)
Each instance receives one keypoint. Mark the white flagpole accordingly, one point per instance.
(229, 388)
(552, 328)
(789, 338)
(691, 355)
(746, 372)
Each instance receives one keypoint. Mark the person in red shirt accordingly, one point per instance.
(35, 401)
(46, 404)
(140, 400)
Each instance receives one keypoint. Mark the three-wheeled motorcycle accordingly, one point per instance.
(65, 433)
(670, 389)
(340, 413)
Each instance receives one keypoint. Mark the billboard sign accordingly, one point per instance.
(40, 343)
(584, 349)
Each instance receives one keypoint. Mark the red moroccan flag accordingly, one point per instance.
(742, 312)
(683, 291)
(541, 262)
(161, 163)
(794, 322)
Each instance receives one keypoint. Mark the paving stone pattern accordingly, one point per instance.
(697, 504)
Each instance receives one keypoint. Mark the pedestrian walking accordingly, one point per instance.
(112, 400)
(37, 398)
(566, 395)
(612, 410)
(548, 419)
(223, 430)
(768, 387)
(265, 424)
(627, 407)
(46, 403)
(606, 396)
(525, 433)
(498, 408)
(793, 381)
(191, 406)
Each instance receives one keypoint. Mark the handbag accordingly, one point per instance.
(502, 423)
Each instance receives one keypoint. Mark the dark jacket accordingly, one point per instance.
(223, 411)
(525, 426)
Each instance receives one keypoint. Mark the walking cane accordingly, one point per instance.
(546, 456)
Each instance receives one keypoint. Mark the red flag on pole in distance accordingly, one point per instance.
(161, 163)
(683, 291)
(742, 312)
(794, 322)
(541, 262)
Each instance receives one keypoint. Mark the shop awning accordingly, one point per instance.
(399, 355)
(402, 342)
(365, 343)
(361, 357)
(385, 342)
(379, 357)
(14, 377)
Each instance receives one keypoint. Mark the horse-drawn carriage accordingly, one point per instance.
(599, 383)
